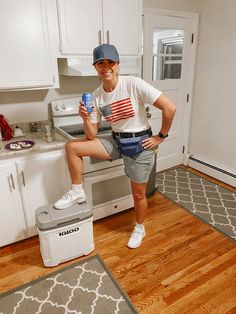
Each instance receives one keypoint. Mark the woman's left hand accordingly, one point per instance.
(151, 142)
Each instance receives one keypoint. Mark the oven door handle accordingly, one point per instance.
(100, 175)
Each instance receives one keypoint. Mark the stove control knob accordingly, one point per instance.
(56, 108)
(63, 107)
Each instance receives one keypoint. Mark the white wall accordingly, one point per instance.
(176, 5)
(213, 126)
(26, 106)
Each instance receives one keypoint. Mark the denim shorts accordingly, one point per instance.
(138, 167)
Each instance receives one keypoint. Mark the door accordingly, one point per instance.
(80, 26)
(44, 179)
(12, 221)
(168, 64)
(122, 22)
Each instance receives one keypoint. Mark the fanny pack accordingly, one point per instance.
(130, 146)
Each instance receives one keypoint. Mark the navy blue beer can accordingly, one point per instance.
(87, 100)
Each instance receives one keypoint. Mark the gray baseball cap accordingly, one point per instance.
(105, 51)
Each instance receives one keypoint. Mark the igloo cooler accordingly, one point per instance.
(64, 234)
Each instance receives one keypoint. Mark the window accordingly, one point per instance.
(167, 53)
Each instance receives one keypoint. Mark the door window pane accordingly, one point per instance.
(167, 53)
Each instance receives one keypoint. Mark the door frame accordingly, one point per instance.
(188, 89)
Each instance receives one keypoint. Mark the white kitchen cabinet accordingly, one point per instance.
(43, 180)
(26, 184)
(12, 222)
(122, 20)
(26, 57)
(84, 24)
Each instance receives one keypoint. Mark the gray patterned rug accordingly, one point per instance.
(85, 287)
(208, 201)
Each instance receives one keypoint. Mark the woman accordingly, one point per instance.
(120, 99)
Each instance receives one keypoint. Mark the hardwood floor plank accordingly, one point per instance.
(206, 256)
(224, 302)
(210, 290)
(199, 276)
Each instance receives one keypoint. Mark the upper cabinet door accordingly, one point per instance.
(80, 26)
(84, 24)
(122, 20)
(25, 57)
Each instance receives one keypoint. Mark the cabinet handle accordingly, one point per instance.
(99, 37)
(23, 178)
(108, 37)
(12, 182)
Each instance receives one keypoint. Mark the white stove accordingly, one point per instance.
(106, 185)
(67, 122)
(66, 119)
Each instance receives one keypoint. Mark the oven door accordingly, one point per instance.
(94, 164)
(108, 191)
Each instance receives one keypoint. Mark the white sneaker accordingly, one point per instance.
(136, 237)
(69, 199)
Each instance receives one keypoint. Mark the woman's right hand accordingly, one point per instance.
(90, 129)
(83, 111)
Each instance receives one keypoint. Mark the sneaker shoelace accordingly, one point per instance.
(67, 195)
(136, 233)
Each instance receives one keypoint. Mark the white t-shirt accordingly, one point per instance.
(124, 106)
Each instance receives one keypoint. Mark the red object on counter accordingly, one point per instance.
(5, 129)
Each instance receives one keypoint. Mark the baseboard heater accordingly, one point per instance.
(213, 167)
(216, 172)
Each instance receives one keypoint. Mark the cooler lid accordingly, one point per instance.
(47, 217)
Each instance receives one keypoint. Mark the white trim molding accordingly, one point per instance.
(211, 170)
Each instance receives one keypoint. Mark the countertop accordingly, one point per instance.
(40, 144)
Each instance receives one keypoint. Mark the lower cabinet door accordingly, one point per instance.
(12, 221)
(43, 180)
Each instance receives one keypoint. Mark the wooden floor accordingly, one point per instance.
(183, 265)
